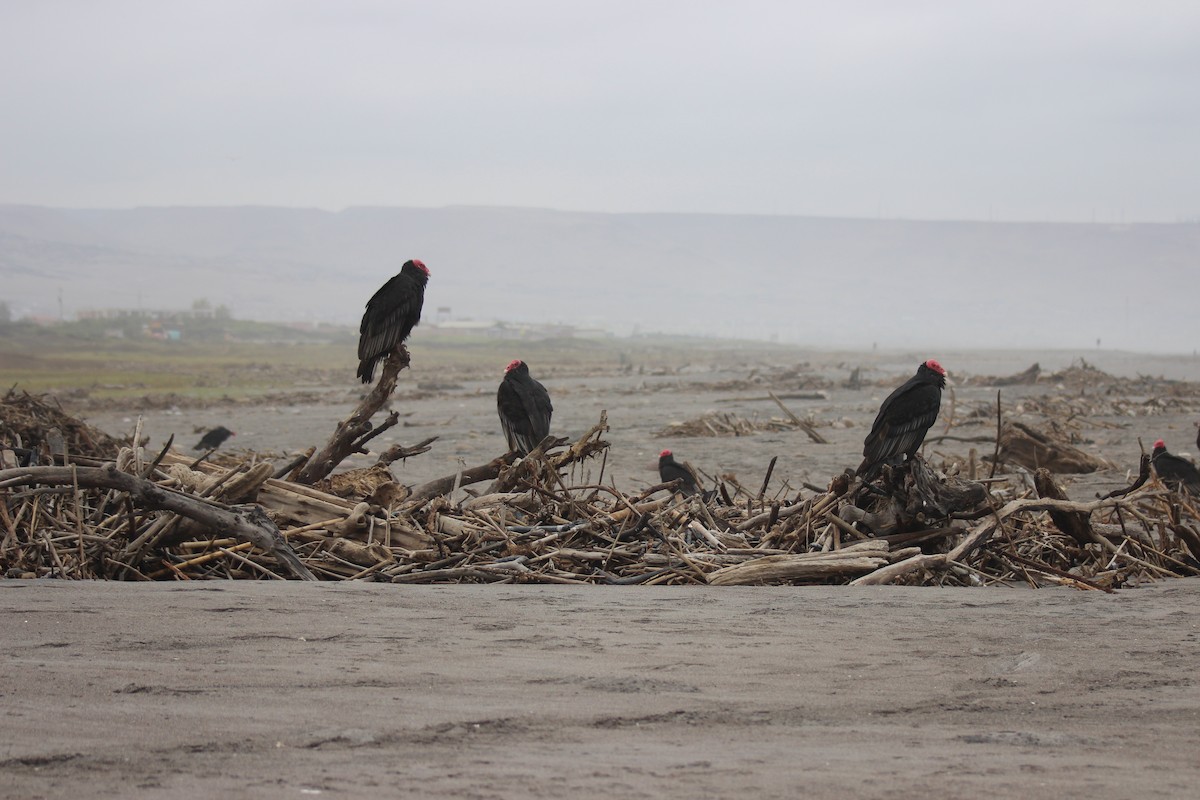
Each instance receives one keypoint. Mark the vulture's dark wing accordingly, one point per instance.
(525, 410)
(670, 469)
(1176, 471)
(903, 419)
(512, 415)
(392, 313)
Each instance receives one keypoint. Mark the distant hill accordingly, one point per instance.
(816, 281)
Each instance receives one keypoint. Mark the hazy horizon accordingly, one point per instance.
(820, 282)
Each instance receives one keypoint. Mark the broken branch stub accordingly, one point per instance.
(355, 430)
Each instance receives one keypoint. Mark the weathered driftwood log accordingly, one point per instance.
(248, 524)
(908, 497)
(982, 531)
(1189, 537)
(1142, 477)
(445, 485)
(890, 572)
(1033, 449)
(949, 495)
(803, 425)
(358, 483)
(355, 431)
(244, 487)
(1075, 524)
(399, 452)
(1026, 377)
(863, 557)
(305, 506)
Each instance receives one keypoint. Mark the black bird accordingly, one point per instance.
(524, 407)
(669, 469)
(214, 438)
(1176, 472)
(391, 314)
(904, 418)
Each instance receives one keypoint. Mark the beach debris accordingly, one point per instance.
(1033, 449)
(545, 518)
(39, 424)
(724, 423)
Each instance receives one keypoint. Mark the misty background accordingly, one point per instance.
(994, 174)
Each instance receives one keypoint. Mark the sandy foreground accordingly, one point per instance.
(273, 689)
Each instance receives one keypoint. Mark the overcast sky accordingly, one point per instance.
(1009, 110)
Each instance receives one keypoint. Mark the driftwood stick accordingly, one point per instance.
(295, 464)
(1143, 476)
(999, 431)
(767, 477)
(440, 486)
(248, 525)
(161, 453)
(892, 571)
(799, 423)
(349, 434)
(399, 452)
(1075, 524)
(389, 422)
(1048, 569)
(981, 532)
(793, 567)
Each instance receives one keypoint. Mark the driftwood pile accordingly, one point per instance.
(1082, 390)
(32, 425)
(140, 516)
(1034, 449)
(721, 423)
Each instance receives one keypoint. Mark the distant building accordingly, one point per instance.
(527, 331)
(164, 315)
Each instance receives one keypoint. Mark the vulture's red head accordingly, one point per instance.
(936, 367)
(516, 362)
(1160, 445)
(419, 264)
(665, 454)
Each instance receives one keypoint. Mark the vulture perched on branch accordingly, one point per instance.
(214, 438)
(669, 469)
(391, 314)
(904, 418)
(524, 408)
(1175, 471)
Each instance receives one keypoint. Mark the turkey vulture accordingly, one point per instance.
(214, 438)
(524, 407)
(391, 314)
(1176, 472)
(669, 469)
(904, 418)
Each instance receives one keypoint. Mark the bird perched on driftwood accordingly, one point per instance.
(392, 313)
(214, 438)
(524, 408)
(1175, 471)
(904, 418)
(669, 469)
